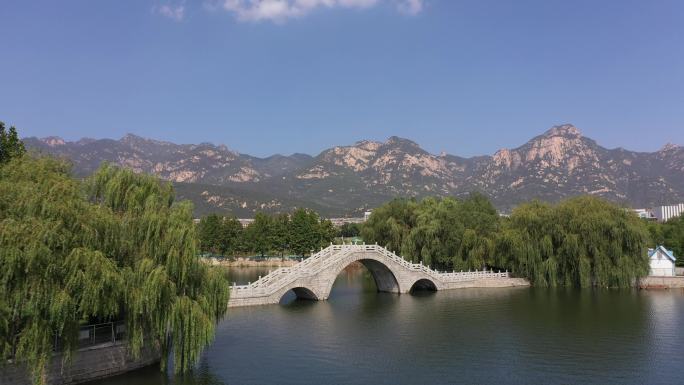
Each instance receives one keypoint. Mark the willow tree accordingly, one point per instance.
(446, 233)
(669, 234)
(391, 223)
(584, 241)
(115, 246)
(170, 296)
(55, 274)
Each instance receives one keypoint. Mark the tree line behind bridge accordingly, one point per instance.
(581, 242)
(297, 233)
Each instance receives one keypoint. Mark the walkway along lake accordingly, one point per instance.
(470, 336)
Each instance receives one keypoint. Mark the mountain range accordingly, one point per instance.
(346, 180)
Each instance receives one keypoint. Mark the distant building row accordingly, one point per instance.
(342, 221)
(661, 213)
(335, 221)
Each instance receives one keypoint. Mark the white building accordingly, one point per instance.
(342, 221)
(665, 213)
(644, 213)
(662, 262)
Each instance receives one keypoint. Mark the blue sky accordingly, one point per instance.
(461, 76)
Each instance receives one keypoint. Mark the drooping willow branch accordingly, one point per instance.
(115, 246)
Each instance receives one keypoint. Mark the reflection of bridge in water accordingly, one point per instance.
(313, 278)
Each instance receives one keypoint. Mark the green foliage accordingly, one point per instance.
(231, 235)
(446, 233)
(10, 145)
(580, 242)
(391, 223)
(220, 235)
(259, 234)
(309, 231)
(280, 233)
(669, 234)
(210, 234)
(115, 246)
(299, 233)
(349, 230)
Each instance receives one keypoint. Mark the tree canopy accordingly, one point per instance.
(349, 230)
(309, 232)
(583, 241)
(115, 246)
(299, 233)
(579, 242)
(220, 235)
(446, 233)
(669, 234)
(10, 144)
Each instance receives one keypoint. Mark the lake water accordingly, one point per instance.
(470, 336)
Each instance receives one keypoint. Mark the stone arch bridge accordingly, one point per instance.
(313, 278)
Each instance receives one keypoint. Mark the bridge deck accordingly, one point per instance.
(316, 274)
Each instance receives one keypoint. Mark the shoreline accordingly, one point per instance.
(653, 282)
(89, 364)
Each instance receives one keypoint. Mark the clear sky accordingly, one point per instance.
(265, 76)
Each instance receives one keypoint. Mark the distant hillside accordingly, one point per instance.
(346, 180)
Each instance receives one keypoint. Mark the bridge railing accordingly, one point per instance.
(470, 275)
(446, 276)
(276, 279)
(333, 254)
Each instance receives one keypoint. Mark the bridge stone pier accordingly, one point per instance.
(313, 278)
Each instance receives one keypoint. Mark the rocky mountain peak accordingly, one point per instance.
(556, 164)
(133, 140)
(356, 157)
(564, 130)
(403, 142)
(84, 141)
(53, 141)
(368, 145)
(669, 147)
(506, 158)
(560, 146)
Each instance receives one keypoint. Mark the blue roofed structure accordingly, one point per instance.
(661, 261)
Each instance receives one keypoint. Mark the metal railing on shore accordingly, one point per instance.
(88, 336)
(96, 334)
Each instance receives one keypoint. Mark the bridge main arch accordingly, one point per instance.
(386, 277)
(385, 280)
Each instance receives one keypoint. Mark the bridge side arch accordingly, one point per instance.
(303, 290)
(423, 284)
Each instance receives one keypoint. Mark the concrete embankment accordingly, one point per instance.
(484, 283)
(89, 364)
(657, 282)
